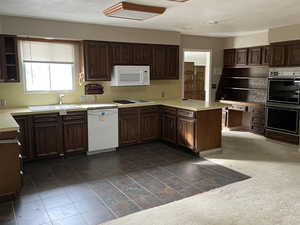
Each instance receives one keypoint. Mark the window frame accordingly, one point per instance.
(23, 70)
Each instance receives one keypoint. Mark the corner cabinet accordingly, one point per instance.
(169, 124)
(97, 66)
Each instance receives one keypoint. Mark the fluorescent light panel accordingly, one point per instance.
(133, 11)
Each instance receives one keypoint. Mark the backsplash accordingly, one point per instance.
(15, 96)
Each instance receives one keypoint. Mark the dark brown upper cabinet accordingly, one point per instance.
(277, 55)
(96, 61)
(293, 54)
(159, 62)
(229, 57)
(141, 54)
(165, 62)
(121, 53)
(9, 66)
(266, 56)
(241, 57)
(255, 56)
(172, 62)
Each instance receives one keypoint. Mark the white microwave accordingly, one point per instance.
(130, 76)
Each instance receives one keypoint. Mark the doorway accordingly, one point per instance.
(196, 74)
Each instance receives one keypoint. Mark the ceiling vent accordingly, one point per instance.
(127, 10)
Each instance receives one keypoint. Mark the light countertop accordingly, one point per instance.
(8, 123)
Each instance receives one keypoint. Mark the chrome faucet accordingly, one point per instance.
(61, 96)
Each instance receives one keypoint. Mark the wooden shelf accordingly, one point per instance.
(244, 89)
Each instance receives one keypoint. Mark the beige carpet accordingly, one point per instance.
(270, 197)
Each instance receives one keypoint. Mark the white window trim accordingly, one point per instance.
(23, 74)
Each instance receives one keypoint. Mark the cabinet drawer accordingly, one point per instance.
(150, 109)
(186, 113)
(238, 108)
(169, 110)
(129, 111)
(74, 116)
(54, 117)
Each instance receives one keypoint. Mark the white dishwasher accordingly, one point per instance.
(103, 132)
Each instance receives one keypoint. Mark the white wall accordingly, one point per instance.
(257, 39)
(199, 58)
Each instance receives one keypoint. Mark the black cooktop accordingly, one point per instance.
(123, 101)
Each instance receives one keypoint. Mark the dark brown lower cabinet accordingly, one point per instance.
(169, 125)
(150, 124)
(47, 135)
(75, 132)
(52, 135)
(129, 127)
(186, 131)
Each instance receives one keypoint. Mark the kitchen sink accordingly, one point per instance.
(53, 107)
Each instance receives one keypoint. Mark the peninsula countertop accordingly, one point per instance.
(8, 123)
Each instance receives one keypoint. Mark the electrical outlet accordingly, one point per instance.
(3, 102)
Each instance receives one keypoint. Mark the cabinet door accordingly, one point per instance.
(169, 132)
(229, 57)
(266, 55)
(2, 60)
(172, 62)
(159, 62)
(25, 136)
(241, 56)
(186, 132)
(255, 54)
(96, 61)
(129, 127)
(277, 55)
(121, 54)
(141, 54)
(293, 55)
(47, 135)
(150, 128)
(75, 136)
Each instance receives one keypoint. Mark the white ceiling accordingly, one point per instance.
(237, 17)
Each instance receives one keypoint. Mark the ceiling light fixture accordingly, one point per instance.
(178, 0)
(127, 10)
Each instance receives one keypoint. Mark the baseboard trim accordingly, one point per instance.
(211, 152)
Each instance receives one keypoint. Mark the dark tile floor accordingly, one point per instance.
(91, 190)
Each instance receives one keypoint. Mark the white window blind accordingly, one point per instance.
(48, 66)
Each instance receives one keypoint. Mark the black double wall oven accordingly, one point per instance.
(283, 104)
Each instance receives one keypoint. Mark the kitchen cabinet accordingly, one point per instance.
(293, 54)
(159, 62)
(172, 62)
(186, 128)
(129, 126)
(25, 136)
(266, 56)
(277, 55)
(75, 132)
(169, 125)
(241, 57)
(96, 61)
(141, 54)
(255, 56)
(9, 66)
(150, 124)
(229, 57)
(121, 54)
(47, 135)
